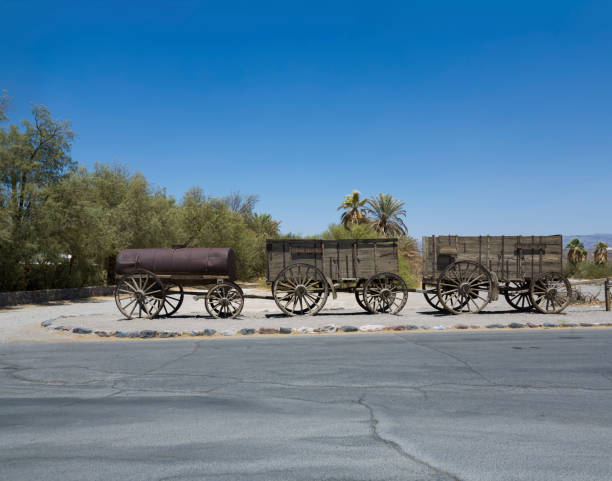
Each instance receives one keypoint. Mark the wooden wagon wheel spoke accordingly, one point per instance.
(224, 300)
(139, 292)
(432, 297)
(385, 292)
(471, 287)
(552, 287)
(518, 300)
(300, 289)
(173, 298)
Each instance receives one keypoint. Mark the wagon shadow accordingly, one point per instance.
(321, 314)
(481, 313)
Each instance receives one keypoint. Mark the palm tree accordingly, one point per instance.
(601, 253)
(577, 253)
(386, 215)
(353, 209)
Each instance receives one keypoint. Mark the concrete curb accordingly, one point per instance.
(59, 324)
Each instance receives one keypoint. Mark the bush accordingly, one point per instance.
(588, 270)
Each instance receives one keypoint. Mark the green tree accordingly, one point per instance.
(577, 253)
(4, 104)
(386, 214)
(353, 209)
(134, 213)
(33, 156)
(600, 255)
(210, 222)
(71, 232)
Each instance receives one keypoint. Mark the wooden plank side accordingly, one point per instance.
(509, 257)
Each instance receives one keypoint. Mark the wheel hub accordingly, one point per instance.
(140, 296)
(464, 289)
(300, 290)
(385, 294)
(551, 294)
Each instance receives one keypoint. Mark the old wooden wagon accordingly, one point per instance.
(302, 274)
(465, 273)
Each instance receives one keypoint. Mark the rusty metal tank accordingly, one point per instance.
(196, 262)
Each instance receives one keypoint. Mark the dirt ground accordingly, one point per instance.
(21, 324)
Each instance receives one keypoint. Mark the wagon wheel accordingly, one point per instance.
(432, 297)
(174, 298)
(300, 289)
(359, 297)
(385, 292)
(140, 294)
(224, 300)
(550, 293)
(465, 286)
(519, 300)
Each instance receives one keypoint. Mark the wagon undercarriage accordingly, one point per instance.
(461, 275)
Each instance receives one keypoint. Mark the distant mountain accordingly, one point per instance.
(589, 240)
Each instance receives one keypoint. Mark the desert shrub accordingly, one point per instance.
(588, 270)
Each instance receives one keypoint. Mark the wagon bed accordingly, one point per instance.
(465, 273)
(511, 258)
(339, 260)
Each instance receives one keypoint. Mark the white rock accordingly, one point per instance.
(229, 332)
(439, 328)
(371, 328)
(305, 330)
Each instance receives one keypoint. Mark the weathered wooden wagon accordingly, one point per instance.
(465, 273)
(302, 274)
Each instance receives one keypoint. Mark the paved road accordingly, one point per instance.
(528, 405)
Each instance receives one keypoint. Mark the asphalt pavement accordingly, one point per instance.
(520, 405)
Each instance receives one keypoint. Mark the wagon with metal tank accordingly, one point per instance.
(152, 281)
(465, 273)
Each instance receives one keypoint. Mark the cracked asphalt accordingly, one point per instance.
(522, 405)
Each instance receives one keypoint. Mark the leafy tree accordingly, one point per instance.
(4, 104)
(577, 253)
(33, 157)
(386, 215)
(210, 222)
(241, 204)
(71, 232)
(353, 207)
(134, 213)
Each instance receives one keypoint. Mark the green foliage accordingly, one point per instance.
(4, 103)
(385, 215)
(62, 226)
(353, 209)
(575, 243)
(351, 231)
(577, 253)
(210, 222)
(34, 157)
(588, 270)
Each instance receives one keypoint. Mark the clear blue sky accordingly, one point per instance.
(483, 117)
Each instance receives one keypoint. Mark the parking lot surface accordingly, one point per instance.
(475, 405)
